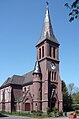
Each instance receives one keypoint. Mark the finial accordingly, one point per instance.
(47, 3)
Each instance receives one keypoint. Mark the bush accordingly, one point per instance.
(39, 112)
(75, 106)
(34, 112)
(60, 113)
(48, 111)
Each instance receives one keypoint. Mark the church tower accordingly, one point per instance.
(46, 77)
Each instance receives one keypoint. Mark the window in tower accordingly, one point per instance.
(49, 75)
(25, 89)
(54, 52)
(54, 76)
(40, 53)
(50, 51)
(43, 51)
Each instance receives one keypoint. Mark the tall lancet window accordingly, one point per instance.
(1, 96)
(54, 52)
(6, 95)
(50, 51)
(42, 51)
(54, 76)
(39, 53)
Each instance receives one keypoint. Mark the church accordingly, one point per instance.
(42, 87)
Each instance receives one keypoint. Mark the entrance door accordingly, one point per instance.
(52, 103)
(27, 106)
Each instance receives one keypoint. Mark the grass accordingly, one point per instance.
(32, 114)
(27, 114)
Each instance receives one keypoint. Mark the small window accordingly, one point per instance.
(40, 53)
(43, 51)
(49, 75)
(54, 52)
(54, 76)
(25, 89)
(50, 51)
(1, 96)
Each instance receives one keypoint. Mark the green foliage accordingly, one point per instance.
(67, 99)
(75, 97)
(74, 10)
(34, 112)
(55, 110)
(75, 106)
(60, 114)
(39, 112)
(48, 111)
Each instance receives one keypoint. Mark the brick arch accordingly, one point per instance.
(27, 102)
(53, 96)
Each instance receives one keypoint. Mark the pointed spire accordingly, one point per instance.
(47, 31)
(37, 69)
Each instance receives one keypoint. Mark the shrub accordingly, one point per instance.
(60, 113)
(39, 112)
(48, 111)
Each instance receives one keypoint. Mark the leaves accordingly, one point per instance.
(74, 10)
(67, 99)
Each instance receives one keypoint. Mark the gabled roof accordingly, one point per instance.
(47, 31)
(28, 78)
(15, 79)
(19, 80)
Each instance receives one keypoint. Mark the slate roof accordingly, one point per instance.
(28, 78)
(19, 80)
(15, 79)
(47, 31)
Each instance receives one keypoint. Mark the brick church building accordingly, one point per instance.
(41, 87)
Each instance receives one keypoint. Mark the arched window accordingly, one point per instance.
(43, 51)
(50, 51)
(1, 96)
(54, 76)
(40, 53)
(54, 52)
(25, 89)
(6, 95)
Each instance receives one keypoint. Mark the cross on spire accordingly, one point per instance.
(47, 3)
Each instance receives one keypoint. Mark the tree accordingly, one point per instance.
(71, 88)
(74, 9)
(67, 99)
(75, 97)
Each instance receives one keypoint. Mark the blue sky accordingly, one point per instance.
(20, 28)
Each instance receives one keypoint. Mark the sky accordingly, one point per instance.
(21, 24)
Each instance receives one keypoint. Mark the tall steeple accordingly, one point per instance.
(47, 31)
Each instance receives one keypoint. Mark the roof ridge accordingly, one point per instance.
(27, 73)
